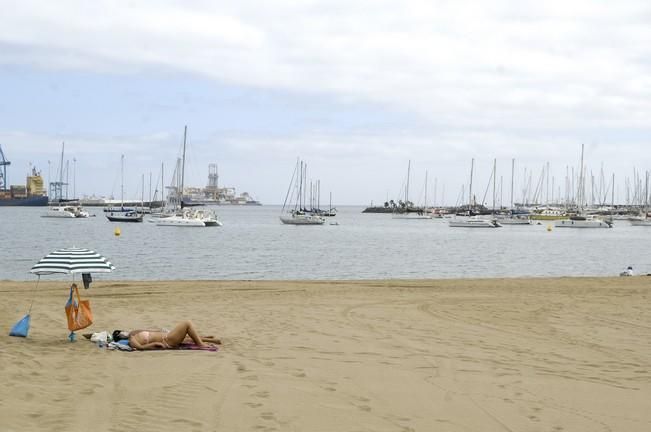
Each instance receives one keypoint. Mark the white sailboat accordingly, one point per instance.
(62, 208)
(122, 213)
(188, 217)
(580, 219)
(298, 215)
(511, 218)
(414, 214)
(644, 220)
(473, 221)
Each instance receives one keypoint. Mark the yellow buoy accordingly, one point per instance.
(549, 227)
(117, 232)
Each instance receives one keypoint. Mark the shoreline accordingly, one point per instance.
(562, 354)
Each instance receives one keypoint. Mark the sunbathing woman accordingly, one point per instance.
(159, 339)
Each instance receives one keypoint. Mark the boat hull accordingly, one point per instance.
(121, 218)
(477, 223)
(302, 220)
(643, 222)
(182, 222)
(594, 223)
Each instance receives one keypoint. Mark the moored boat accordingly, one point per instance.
(474, 222)
(32, 194)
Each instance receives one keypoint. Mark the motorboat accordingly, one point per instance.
(514, 220)
(474, 222)
(66, 212)
(640, 222)
(184, 219)
(208, 217)
(583, 221)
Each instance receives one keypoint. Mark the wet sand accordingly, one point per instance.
(568, 354)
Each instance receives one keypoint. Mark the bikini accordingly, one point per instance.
(145, 338)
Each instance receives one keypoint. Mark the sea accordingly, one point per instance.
(253, 244)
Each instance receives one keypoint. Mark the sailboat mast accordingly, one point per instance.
(162, 184)
(149, 189)
(472, 167)
(407, 187)
(425, 190)
(512, 177)
(300, 189)
(185, 135)
(494, 181)
(122, 181)
(142, 193)
(581, 190)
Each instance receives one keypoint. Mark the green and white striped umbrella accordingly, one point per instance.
(72, 260)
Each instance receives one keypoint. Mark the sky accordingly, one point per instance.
(359, 90)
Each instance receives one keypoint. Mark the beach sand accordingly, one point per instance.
(568, 354)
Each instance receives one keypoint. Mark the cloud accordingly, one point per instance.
(448, 61)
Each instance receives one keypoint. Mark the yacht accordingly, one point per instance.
(580, 221)
(184, 219)
(208, 217)
(301, 218)
(474, 222)
(514, 220)
(122, 214)
(66, 212)
(640, 221)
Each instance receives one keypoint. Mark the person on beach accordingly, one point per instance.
(627, 272)
(183, 332)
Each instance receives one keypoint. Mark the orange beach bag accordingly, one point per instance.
(78, 311)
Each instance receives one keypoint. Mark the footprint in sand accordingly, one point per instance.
(268, 416)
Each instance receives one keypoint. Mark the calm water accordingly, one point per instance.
(253, 244)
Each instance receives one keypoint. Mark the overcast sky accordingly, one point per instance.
(355, 88)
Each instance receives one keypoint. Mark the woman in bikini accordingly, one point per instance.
(159, 339)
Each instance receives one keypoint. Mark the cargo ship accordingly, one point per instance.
(31, 194)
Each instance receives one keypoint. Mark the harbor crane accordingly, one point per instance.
(3, 170)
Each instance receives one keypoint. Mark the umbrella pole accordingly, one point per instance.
(33, 295)
(72, 336)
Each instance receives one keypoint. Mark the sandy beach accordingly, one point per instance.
(568, 354)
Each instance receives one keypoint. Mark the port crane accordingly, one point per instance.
(3, 170)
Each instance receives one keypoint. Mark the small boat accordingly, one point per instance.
(300, 218)
(299, 215)
(640, 222)
(583, 221)
(122, 214)
(514, 220)
(188, 215)
(549, 214)
(184, 219)
(68, 212)
(208, 217)
(474, 222)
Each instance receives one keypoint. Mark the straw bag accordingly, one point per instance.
(78, 311)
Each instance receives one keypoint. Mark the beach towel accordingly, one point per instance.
(122, 346)
(191, 346)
